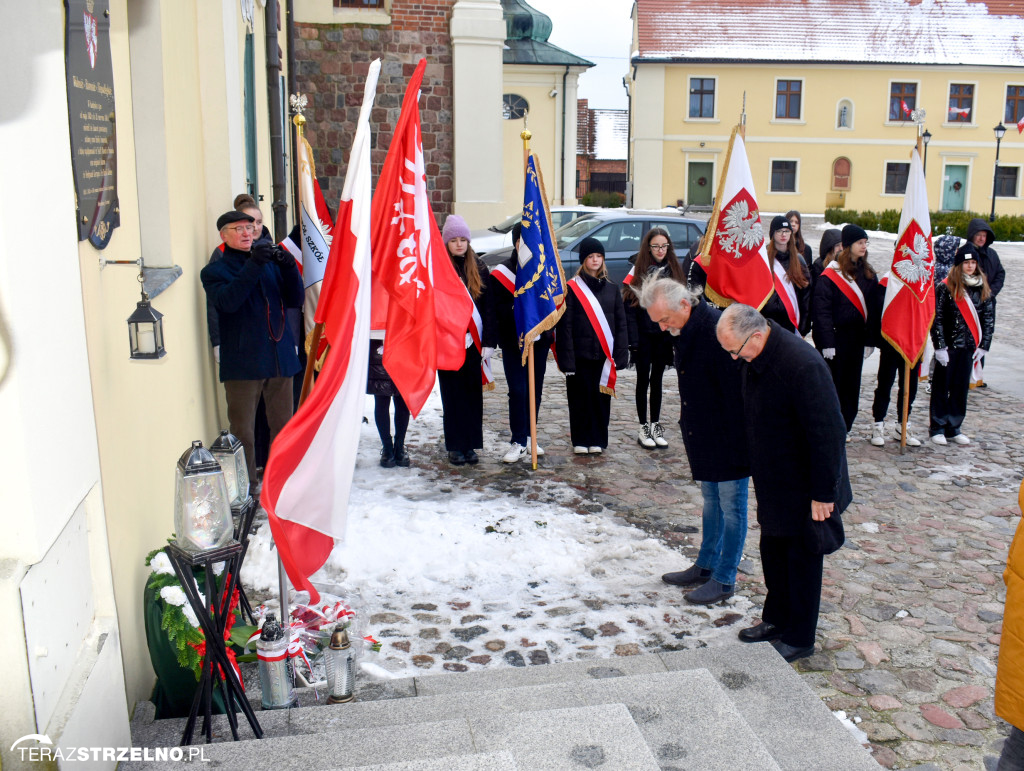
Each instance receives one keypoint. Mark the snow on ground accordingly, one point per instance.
(534, 575)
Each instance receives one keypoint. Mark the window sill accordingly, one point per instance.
(701, 120)
(784, 192)
(899, 123)
(960, 125)
(893, 195)
(788, 121)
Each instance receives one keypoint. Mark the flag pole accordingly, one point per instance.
(716, 212)
(906, 362)
(525, 136)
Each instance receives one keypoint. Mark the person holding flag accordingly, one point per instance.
(790, 306)
(462, 389)
(965, 319)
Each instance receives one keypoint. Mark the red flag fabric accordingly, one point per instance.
(906, 110)
(1020, 125)
(428, 309)
(734, 256)
(309, 472)
(910, 292)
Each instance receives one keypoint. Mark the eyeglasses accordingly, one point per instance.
(659, 247)
(739, 350)
(243, 228)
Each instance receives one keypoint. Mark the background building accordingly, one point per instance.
(830, 91)
(601, 149)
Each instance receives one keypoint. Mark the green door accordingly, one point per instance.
(699, 183)
(954, 188)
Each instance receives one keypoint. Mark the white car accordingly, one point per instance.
(500, 236)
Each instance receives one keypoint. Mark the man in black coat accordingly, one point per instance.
(713, 434)
(981, 235)
(796, 439)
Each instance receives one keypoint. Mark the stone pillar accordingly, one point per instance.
(649, 137)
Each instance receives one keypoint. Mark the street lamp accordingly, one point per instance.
(927, 137)
(999, 131)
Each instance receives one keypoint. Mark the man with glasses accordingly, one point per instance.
(712, 423)
(249, 288)
(796, 439)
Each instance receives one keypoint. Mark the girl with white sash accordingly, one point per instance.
(965, 318)
(789, 306)
(591, 344)
(844, 328)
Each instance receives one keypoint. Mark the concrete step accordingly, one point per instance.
(603, 735)
(483, 761)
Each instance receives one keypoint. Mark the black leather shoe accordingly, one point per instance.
(472, 458)
(387, 459)
(401, 457)
(791, 653)
(457, 458)
(692, 575)
(760, 633)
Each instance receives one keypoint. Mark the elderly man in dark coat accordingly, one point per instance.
(713, 434)
(796, 438)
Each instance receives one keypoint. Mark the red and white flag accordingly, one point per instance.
(910, 292)
(906, 109)
(733, 254)
(315, 229)
(429, 310)
(1020, 125)
(309, 473)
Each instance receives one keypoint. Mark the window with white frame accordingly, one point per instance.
(1007, 181)
(702, 98)
(783, 177)
(1014, 104)
(788, 98)
(896, 175)
(961, 103)
(902, 101)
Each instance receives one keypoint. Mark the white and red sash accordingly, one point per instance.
(787, 292)
(848, 287)
(505, 277)
(476, 334)
(602, 329)
(970, 314)
(629, 276)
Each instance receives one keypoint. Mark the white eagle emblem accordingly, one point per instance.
(742, 229)
(914, 269)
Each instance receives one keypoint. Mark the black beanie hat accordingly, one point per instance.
(517, 232)
(966, 252)
(779, 223)
(852, 234)
(589, 246)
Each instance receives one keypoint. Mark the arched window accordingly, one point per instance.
(844, 114)
(841, 174)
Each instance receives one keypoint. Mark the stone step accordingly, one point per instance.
(680, 714)
(602, 735)
(481, 761)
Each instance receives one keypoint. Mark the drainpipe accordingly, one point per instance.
(290, 35)
(279, 205)
(565, 78)
(629, 148)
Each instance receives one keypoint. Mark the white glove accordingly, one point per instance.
(829, 353)
(942, 357)
(486, 353)
(568, 374)
(978, 354)
(868, 350)
(216, 353)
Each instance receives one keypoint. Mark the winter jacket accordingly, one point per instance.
(989, 263)
(483, 303)
(644, 334)
(502, 309)
(378, 381)
(796, 435)
(775, 310)
(711, 415)
(835, 316)
(950, 329)
(256, 341)
(575, 336)
(1010, 674)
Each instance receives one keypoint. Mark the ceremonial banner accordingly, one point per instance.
(315, 231)
(733, 254)
(309, 473)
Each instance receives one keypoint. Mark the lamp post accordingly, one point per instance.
(999, 131)
(927, 137)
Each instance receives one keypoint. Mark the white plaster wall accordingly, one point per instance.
(648, 136)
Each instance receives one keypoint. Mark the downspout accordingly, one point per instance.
(565, 77)
(629, 144)
(279, 205)
(290, 35)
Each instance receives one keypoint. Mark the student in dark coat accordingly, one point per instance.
(788, 404)
(796, 225)
(956, 350)
(462, 398)
(580, 349)
(829, 248)
(845, 328)
(650, 348)
(713, 433)
(382, 388)
(792, 275)
(981, 235)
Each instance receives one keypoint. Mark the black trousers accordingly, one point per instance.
(589, 409)
(650, 371)
(890, 367)
(845, 367)
(517, 376)
(949, 393)
(462, 401)
(793, 578)
(382, 417)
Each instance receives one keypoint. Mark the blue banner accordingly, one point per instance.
(540, 283)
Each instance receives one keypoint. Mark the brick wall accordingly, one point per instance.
(331, 62)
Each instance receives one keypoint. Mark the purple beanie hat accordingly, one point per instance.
(454, 227)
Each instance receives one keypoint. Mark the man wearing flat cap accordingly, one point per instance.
(249, 288)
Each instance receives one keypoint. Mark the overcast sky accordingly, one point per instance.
(598, 30)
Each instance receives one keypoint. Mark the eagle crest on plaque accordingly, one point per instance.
(92, 40)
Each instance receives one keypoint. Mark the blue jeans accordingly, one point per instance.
(725, 528)
(1012, 758)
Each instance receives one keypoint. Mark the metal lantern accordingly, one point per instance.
(275, 667)
(146, 331)
(230, 454)
(340, 661)
(202, 512)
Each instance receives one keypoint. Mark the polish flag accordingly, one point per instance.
(309, 473)
(733, 254)
(428, 308)
(315, 229)
(909, 305)
(906, 110)
(1020, 125)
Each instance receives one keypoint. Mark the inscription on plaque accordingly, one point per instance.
(91, 115)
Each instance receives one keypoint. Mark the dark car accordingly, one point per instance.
(621, 232)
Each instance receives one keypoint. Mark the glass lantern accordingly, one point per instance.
(202, 513)
(340, 662)
(146, 331)
(229, 453)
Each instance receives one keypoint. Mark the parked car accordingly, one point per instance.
(500, 236)
(621, 231)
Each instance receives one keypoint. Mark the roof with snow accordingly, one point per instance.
(611, 134)
(974, 32)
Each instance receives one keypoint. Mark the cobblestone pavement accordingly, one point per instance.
(912, 606)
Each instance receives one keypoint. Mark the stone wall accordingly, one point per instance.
(331, 64)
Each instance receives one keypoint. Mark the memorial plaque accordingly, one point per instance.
(91, 118)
